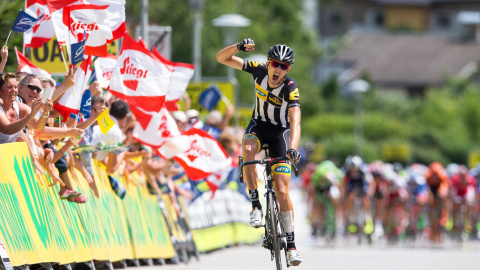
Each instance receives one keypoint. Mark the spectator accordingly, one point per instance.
(30, 89)
(216, 123)
(181, 119)
(4, 55)
(119, 112)
(13, 116)
(193, 120)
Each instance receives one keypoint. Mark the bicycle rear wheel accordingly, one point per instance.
(273, 223)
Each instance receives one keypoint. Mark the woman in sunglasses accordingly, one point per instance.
(276, 121)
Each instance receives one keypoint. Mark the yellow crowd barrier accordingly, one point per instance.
(38, 227)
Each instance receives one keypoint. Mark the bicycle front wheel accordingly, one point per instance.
(273, 220)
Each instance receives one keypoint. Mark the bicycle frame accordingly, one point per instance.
(274, 229)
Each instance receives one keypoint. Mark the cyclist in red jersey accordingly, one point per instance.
(463, 186)
(275, 121)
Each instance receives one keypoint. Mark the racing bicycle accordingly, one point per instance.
(275, 237)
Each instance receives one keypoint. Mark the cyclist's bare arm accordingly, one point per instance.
(294, 116)
(227, 56)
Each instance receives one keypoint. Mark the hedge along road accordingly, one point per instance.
(344, 255)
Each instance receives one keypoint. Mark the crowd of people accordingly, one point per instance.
(55, 143)
(394, 202)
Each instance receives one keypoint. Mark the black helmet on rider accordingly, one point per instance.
(282, 53)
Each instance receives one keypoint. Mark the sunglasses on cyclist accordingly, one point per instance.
(34, 88)
(276, 64)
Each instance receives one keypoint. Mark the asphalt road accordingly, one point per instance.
(345, 254)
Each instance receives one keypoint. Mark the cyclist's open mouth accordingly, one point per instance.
(275, 77)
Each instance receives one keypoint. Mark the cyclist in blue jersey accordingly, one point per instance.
(275, 121)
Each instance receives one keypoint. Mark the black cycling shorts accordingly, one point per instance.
(277, 138)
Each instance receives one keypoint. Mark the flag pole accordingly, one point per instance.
(225, 100)
(63, 56)
(81, 95)
(8, 37)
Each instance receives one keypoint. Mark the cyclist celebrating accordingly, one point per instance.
(276, 121)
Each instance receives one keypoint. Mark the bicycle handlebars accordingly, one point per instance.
(241, 163)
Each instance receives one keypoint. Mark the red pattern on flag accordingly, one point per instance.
(182, 74)
(153, 129)
(70, 101)
(43, 29)
(138, 78)
(197, 152)
(115, 16)
(92, 20)
(24, 65)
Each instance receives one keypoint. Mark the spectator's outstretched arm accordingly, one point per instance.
(114, 161)
(49, 133)
(4, 54)
(39, 123)
(227, 117)
(187, 100)
(64, 86)
(10, 128)
(62, 151)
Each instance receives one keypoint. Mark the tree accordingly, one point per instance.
(8, 13)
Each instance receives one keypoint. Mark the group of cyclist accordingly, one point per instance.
(385, 200)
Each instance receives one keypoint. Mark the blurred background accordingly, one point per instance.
(395, 80)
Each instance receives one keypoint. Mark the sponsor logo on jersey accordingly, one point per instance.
(250, 136)
(261, 93)
(253, 63)
(275, 100)
(295, 95)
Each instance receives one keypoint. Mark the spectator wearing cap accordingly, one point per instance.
(181, 119)
(193, 119)
(216, 123)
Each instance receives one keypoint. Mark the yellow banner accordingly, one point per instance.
(194, 90)
(37, 226)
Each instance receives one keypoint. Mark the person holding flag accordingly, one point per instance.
(22, 23)
(4, 54)
(276, 121)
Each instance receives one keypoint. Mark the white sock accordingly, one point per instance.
(287, 218)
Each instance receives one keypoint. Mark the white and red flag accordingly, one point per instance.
(197, 152)
(139, 78)
(215, 180)
(43, 29)
(24, 65)
(70, 101)
(115, 18)
(56, 14)
(181, 76)
(91, 20)
(104, 67)
(153, 129)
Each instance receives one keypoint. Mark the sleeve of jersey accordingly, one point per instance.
(294, 95)
(253, 67)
